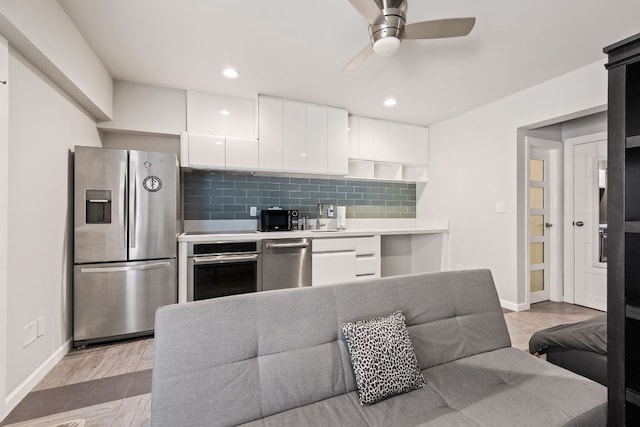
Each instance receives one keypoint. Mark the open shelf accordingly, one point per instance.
(632, 310)
(386, 171)
(632, 227)
(633, 141)
(633, 397)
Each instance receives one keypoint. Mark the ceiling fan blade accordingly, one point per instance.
(367, 8)
(357, 60)
(439, 29)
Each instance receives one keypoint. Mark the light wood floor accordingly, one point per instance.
(93, 364)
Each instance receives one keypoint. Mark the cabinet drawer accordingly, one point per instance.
(366, 265)
(366, 245)
(334, 245)
(335, 267)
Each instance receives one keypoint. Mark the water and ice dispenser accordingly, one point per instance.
(98, 206)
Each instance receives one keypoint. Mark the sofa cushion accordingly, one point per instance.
(505, 387)
(382, 357)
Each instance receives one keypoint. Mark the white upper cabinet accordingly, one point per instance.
(203, 151)
(385, 141)
(294, 137)
(354, 137)
(308, 138)
(270, 132)
(317, 139)
(241, 154)
(338, 144)
(220, 115)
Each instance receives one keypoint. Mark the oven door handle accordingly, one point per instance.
(287, 245)
(224, 259)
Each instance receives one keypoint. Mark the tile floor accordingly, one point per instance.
(110, 385)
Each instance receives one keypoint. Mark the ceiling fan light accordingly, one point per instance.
(386, 46)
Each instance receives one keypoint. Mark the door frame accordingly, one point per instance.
(555, 150)
(569, 252)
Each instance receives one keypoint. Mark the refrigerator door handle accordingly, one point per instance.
(124, 268)
(133, 185)
(123, 201)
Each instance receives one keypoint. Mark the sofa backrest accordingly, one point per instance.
(231, 360)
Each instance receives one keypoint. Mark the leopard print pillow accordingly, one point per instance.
(382, 357)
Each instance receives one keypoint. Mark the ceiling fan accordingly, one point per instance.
(387, 28)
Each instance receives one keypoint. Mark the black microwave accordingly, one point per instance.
(278, 220)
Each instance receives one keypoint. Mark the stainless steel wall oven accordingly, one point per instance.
(218, 269)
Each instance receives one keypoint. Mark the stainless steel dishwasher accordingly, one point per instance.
(286, 263)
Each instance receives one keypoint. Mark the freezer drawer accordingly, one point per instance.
(116, 300)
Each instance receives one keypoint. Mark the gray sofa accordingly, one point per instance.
(278, 359)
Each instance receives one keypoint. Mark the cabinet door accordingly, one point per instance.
(367, 141)
(395, 148)
(333, 267)
(241, 154)
(337, 142)
(204, 115)
(354, 137)
(295, 137)
(206, 151)
(316, 138)
(270, 126)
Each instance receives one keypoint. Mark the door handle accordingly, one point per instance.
(287, 245)
(578, 223)
(548, 225)
(124, 268)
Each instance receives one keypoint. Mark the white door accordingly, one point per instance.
(589, 224)
(539, 224)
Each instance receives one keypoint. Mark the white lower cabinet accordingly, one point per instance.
(344, 259)
(333, 267)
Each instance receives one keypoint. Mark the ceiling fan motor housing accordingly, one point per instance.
(390, 24)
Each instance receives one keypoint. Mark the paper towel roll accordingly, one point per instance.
(342, 217)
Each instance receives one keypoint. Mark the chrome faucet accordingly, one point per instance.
(318, 216)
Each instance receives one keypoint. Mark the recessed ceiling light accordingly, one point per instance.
(230, 73)
(390, 102)
(224, 112)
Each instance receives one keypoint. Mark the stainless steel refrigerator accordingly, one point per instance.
(124, 241)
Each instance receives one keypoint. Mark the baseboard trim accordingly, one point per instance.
(32, 380)
(513, 306)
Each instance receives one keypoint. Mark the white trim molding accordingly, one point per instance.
(513, 306)
(32, 380)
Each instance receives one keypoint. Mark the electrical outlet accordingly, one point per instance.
(253, 211)
(30, 333)
(40, 326)
(501, 207)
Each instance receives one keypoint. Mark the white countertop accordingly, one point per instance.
(260, 235)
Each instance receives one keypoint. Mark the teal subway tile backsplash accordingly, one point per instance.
(226, 196)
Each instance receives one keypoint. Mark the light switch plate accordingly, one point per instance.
(30, 333)
(501, 207)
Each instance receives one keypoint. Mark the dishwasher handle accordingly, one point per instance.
(300, 245)
(224, 259)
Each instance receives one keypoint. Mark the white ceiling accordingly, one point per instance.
(296, 49)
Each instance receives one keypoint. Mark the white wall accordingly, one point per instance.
(473, 165)
(45, 35)
(4, 212)
(147, 109)
(44, 125)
